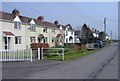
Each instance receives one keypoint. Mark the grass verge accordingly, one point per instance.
(70, 55)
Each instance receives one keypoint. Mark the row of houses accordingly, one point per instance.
(19, 32)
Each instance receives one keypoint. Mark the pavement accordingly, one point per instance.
(102, 64)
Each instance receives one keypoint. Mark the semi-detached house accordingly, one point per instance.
(18, 32)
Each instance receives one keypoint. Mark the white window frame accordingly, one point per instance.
(33, 27)
(32, 39)
(53, 30)
(17, 25)
(18, 40)
(45, 29)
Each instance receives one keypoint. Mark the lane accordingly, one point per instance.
(110, 71)
(80, 68)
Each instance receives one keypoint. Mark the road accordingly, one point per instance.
(102, 64)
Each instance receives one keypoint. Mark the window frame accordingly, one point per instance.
(33, 27)
(17, 25)
(32, 38)
(45, 29)
(18, 40)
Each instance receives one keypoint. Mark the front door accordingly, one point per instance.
(7, 42)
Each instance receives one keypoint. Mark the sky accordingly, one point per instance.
(74, 13)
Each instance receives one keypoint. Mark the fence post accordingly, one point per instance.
(39, 53)
(63, 54)
(31, 55)
(42, 53)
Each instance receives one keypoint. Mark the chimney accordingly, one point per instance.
(56, 22)
(41, 18)
(16, 12)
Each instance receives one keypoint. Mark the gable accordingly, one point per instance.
(32, 22)
(17, 19)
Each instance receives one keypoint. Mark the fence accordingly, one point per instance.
(16, 55)
(52, 51)
(29, 54)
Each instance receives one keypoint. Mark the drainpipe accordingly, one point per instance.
(7, 43)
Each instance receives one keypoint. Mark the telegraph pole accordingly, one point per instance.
(111, 35)
(105, 25)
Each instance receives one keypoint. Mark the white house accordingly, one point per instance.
(69, 34)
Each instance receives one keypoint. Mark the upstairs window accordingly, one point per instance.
(53, 30)
(45, 29)
(71, 33)
(33, 28)
(17, 25)
(32, 39)
(17, 39)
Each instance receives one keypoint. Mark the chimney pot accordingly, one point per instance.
(41, 18)
(16, 12)
(56, 22)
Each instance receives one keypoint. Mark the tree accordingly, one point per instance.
(87, 35)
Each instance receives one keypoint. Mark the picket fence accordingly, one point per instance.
(16, 55)
(29, 54)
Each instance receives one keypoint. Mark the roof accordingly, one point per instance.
(8, 33)
(41, 36)
(58, 35)
(24, 19)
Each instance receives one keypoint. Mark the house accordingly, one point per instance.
(95, 32)
(18, 32)
(69, 34)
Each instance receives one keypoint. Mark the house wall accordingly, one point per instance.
(0, 34)
(52, 34)
(25, 34)
(9, 26)
(32, 34)
(68, 36)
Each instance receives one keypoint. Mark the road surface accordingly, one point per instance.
(102, 64)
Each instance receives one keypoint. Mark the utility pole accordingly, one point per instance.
(105, 25)
(111, 35)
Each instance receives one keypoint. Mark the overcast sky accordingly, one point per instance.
(75, 13)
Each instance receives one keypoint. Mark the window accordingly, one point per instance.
(17, 39)
(71, 33)
(53, 39)
(33, 28)
(32, 39)
(66, 40)
(61, 39)
(66, 33)
(45, 40)
(53, 30)
(45, 30)
(17, 25)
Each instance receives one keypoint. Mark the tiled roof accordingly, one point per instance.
(58, 35)
(8, 33)
(10, 16)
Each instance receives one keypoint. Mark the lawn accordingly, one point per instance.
(70, 55)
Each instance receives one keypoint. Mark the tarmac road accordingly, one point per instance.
(102, 64)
